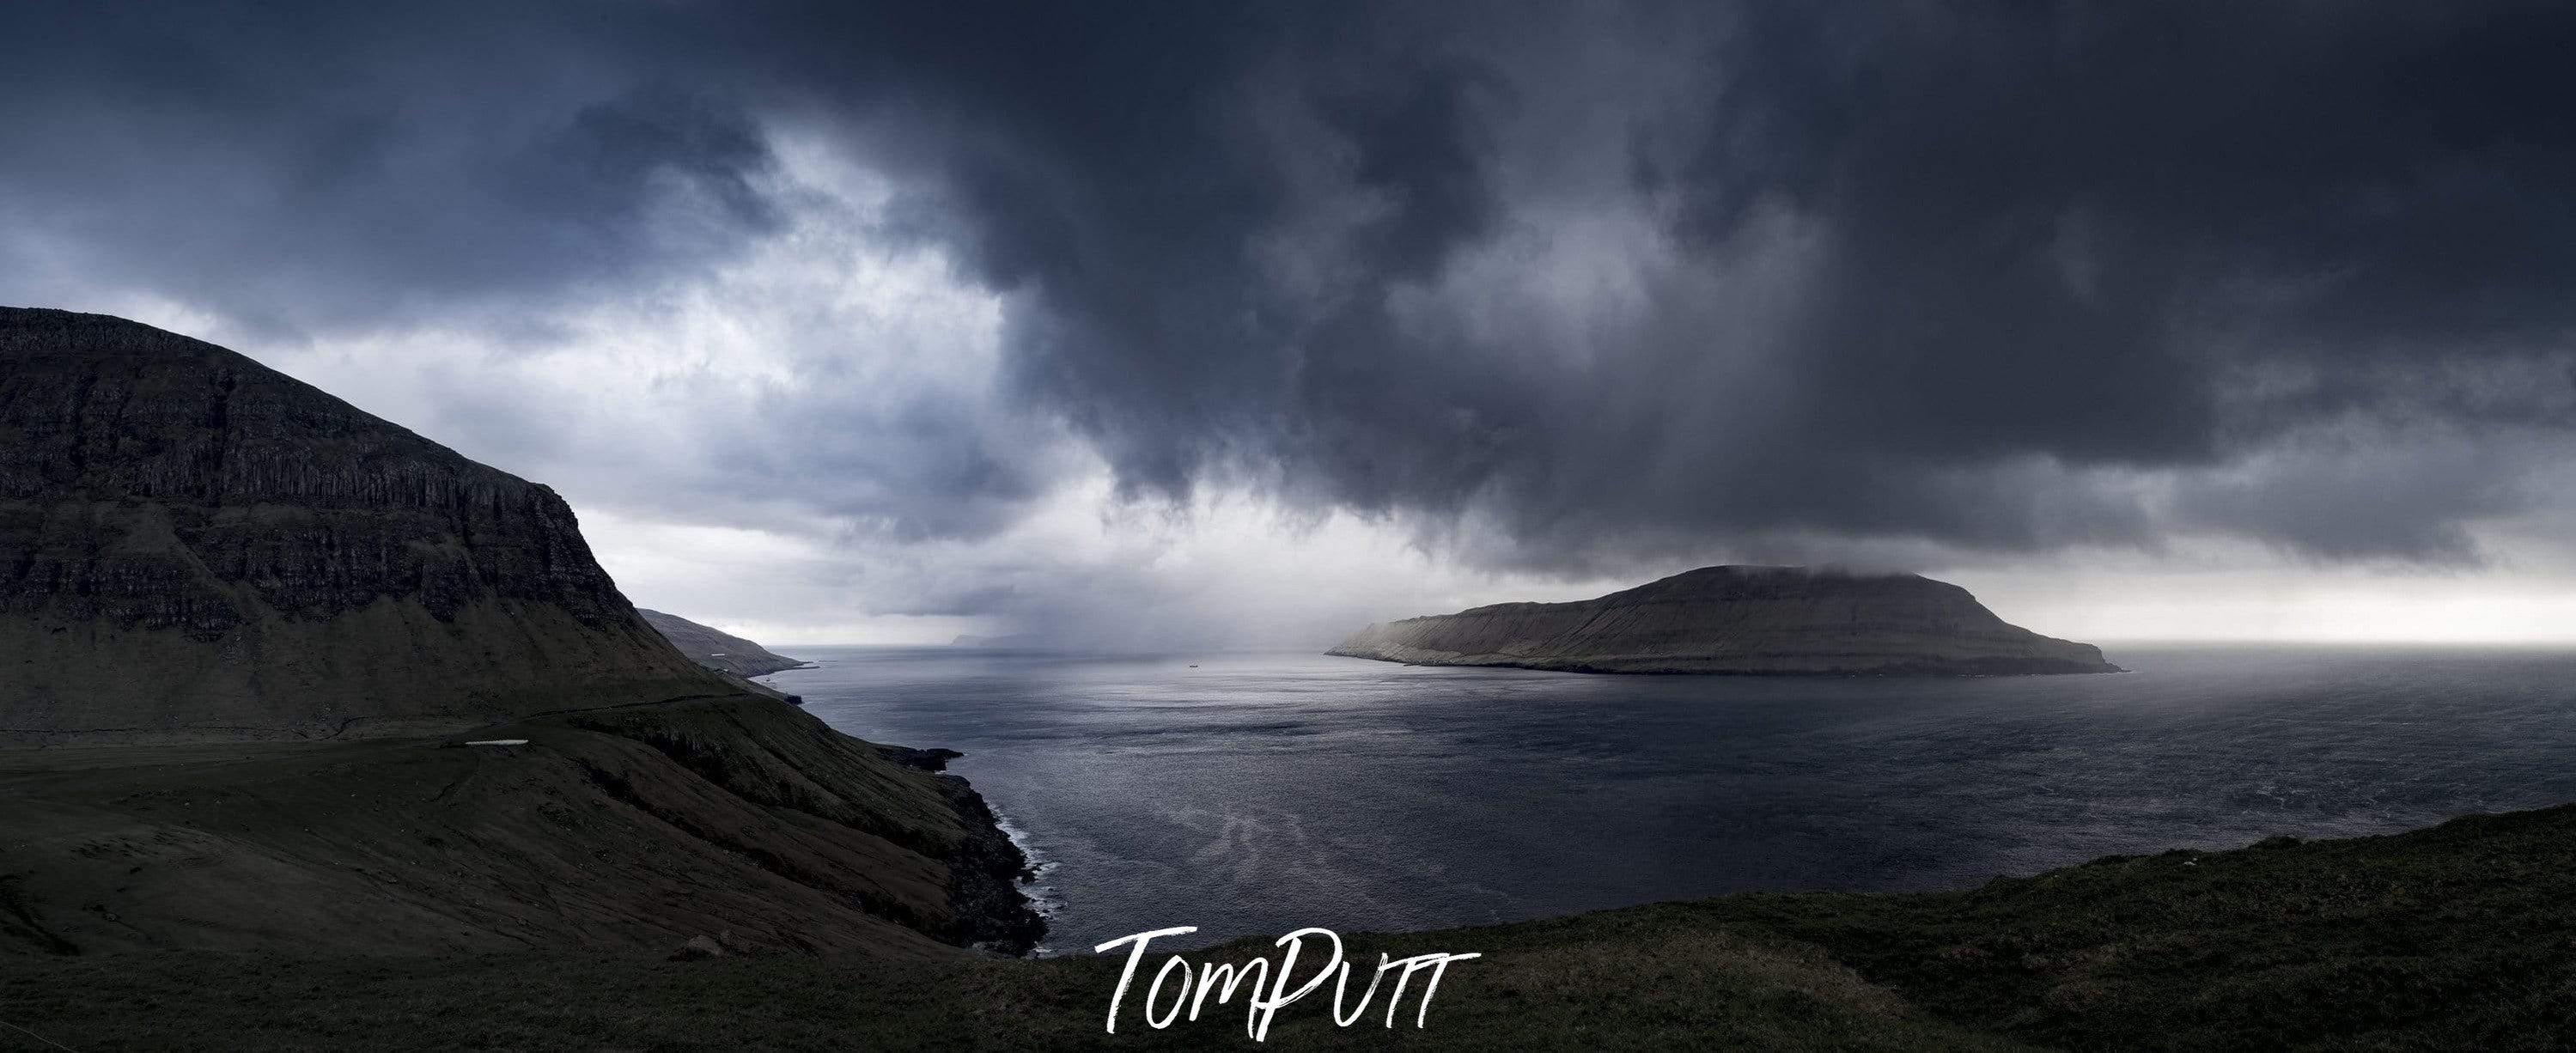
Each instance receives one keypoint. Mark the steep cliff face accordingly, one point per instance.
(1759, 620)
(194, 545)
(716, 650)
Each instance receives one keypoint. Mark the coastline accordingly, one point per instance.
(735, 819)
(1043, 897)
(989, 908)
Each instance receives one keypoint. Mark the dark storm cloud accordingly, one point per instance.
(2045, 249)
(2056, 218)
(2066, 234)
(313, 167)
(1576, 281)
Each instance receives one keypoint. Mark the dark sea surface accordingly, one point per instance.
(1258, 793)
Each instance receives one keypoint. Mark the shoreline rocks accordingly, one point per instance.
(988, 869)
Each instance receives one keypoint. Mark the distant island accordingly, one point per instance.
(716, 649)
(1743, 620)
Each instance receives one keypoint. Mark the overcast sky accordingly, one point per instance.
(1195, 324)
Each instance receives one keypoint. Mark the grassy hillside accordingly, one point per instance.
(2457, 937)
(629, 829)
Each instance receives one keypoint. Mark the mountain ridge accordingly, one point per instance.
(715, 648)
(206, 547)
(206, 566)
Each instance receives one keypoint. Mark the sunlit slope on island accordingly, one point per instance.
(1747, 620)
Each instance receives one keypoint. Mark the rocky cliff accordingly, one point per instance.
(195, 545)
(1758, 620)
(716, 650)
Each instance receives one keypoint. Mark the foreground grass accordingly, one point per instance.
(1685, 989)
(2458, 937)
(2462, 936)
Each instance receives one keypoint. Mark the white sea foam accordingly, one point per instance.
(1043, 896)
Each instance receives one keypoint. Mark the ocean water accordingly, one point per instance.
(1258, 793)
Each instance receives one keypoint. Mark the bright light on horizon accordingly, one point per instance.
(1236, 573)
